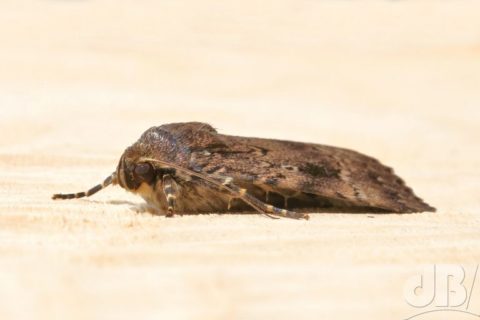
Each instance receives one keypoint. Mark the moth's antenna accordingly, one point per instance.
(108, 181)
(235, 191)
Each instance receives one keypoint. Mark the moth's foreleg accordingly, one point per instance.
(170, 192)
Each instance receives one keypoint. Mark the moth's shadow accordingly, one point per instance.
(117, 202)
(139, 207)
(134, 206)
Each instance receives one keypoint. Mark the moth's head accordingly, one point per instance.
(131, 173)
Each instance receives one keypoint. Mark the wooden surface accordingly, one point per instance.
(81, 80)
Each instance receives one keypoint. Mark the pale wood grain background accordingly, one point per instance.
(81, 80)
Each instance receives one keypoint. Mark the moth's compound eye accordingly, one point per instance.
(144, 172)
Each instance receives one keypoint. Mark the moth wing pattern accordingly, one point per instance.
(304, 174)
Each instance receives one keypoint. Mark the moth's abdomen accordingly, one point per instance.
(195, 197)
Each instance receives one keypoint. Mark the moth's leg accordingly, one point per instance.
(227, 184)
(268, 208)
(170, 191)
(260, 205)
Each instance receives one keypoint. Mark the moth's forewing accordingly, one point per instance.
(309, 175)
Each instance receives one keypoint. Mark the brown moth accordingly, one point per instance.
(190, 168)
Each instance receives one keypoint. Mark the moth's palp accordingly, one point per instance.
(112, 179)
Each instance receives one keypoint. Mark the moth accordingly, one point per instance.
(191, 168)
